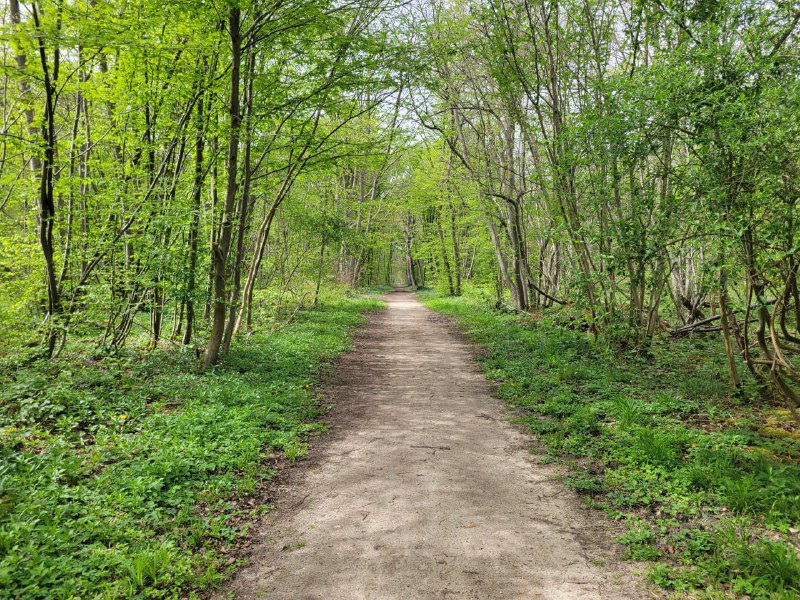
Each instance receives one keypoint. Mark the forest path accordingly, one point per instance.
(424, 490)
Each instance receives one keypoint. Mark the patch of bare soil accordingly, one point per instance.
(424, 490)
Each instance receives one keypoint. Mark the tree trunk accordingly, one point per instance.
(410, 277)
(724, 309)
(34, 163)
(244, 210)
(456, 250)
(258, 253)
(214, 196)
(47, 209)
(194, 227)
(443, 248)
(320, 271)
(222, 247)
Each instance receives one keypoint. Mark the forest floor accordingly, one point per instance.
(129, 474)
(424, 489)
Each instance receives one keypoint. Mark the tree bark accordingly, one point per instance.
(194, 227)
(222, 246)
(244, 210)
(443, 251)
(47, 208)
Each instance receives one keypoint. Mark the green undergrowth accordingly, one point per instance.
(708, 484)
(377, 289)
(119, 475)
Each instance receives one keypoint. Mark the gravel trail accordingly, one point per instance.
(424, 490)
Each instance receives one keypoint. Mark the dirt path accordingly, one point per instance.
(425, 491)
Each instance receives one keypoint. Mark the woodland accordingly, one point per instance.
(199, 198)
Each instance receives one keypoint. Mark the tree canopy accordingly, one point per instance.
(629, 166)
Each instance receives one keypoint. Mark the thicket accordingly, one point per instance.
(187, 160)
(635, 162)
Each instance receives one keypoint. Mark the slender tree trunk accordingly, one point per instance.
(244, 210)
(261, 243)
(502, 265)
(222, 247)
(214, 196)
(320, 271)
(84, 173)
(453, 229)
(410, 277)
(47, 209)
(456, 250)
(194, 227)
(73, 162)
(34, 163)
(443, 250)
(156, 315)
(389, 261)
(724, 309)
(521, 267)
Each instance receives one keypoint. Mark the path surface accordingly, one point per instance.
(425, 491)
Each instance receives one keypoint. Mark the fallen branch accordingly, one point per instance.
(695, 327)
(692, 327)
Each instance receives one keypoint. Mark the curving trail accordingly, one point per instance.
(425, 491)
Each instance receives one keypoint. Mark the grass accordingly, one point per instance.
(708, 485)
(377, 289)
(119, 475)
